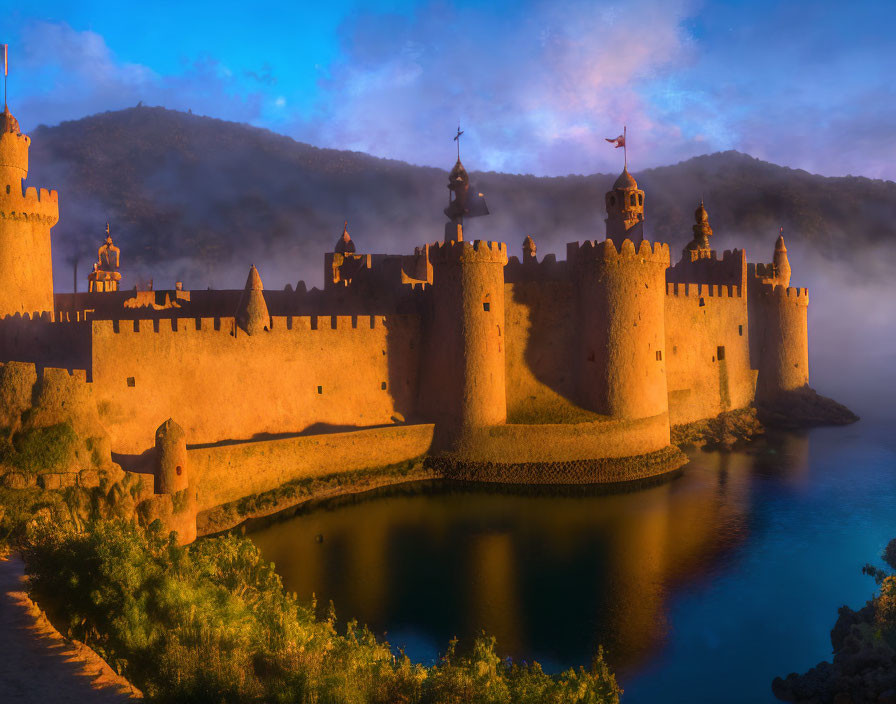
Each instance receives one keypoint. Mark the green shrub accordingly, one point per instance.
(212, 623)
(43, 449)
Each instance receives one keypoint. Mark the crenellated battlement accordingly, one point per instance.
(462, 252)
(32, 205)
(606, 250)
(227, 325)
(773, 292)
(548, 269)
(697, 291)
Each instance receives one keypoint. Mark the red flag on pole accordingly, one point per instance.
(618, 142)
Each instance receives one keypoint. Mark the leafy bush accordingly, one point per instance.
(212, 623)
(41, 449)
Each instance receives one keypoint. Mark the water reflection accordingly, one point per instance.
(550, 574)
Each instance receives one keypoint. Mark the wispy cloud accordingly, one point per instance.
(538, 87)
(80, 75)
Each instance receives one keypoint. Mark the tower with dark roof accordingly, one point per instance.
(625, 210)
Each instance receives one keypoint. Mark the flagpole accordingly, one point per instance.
(625, 145)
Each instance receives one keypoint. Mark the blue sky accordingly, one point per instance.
(536, 85)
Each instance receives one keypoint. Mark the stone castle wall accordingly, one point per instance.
(707, 343)
(541, 336)
(220, 383)
(228, 472)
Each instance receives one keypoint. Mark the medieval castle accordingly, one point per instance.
(506, 368)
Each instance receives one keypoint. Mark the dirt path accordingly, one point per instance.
(39, 665)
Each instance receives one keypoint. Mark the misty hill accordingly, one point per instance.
(199, 199)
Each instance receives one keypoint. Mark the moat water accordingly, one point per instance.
(701, 589)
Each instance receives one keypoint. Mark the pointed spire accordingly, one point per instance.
(252, 314)
(529, 249)
(782, 263)
(779, 243)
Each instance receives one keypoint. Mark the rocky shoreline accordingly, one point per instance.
(863, 668)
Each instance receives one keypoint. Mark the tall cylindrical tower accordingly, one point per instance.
(464, 385)
(26, 264)
(784, 353)
(621, 308)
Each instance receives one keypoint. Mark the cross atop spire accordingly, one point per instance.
(457, 139)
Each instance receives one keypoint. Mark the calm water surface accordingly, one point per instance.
(702, 588)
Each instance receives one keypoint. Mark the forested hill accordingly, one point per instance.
(199, 199)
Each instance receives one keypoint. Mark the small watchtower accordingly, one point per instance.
(105, 275)
(625, 210)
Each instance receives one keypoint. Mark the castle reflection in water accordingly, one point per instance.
(552, 576)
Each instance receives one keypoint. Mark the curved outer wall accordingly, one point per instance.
(463, 386)
(622, 308)
(26, 268)
(784, 352)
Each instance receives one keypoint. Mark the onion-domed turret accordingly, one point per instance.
(699, 246)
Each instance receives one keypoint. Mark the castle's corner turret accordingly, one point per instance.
(26, 266)
(252, 314)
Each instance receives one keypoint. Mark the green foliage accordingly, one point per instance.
(39, 450)
(212, 623)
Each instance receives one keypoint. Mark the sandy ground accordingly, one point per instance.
(38, 664)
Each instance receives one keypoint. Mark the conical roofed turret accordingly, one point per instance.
(782, 263)
(252, 314)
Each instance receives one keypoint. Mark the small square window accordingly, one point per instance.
(320, 389)
(702, 302)
(740, 330)
(720, 353)
(383, 386)
(131, 382)
(486, 306)
(659, 355)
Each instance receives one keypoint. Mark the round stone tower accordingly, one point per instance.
(621, 309)
(625, 210)
(171, 459)
(781, 314)
(26, 265)
(464, 387)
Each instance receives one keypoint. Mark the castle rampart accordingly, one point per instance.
(303, 373)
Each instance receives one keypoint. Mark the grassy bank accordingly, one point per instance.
(212, 623)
